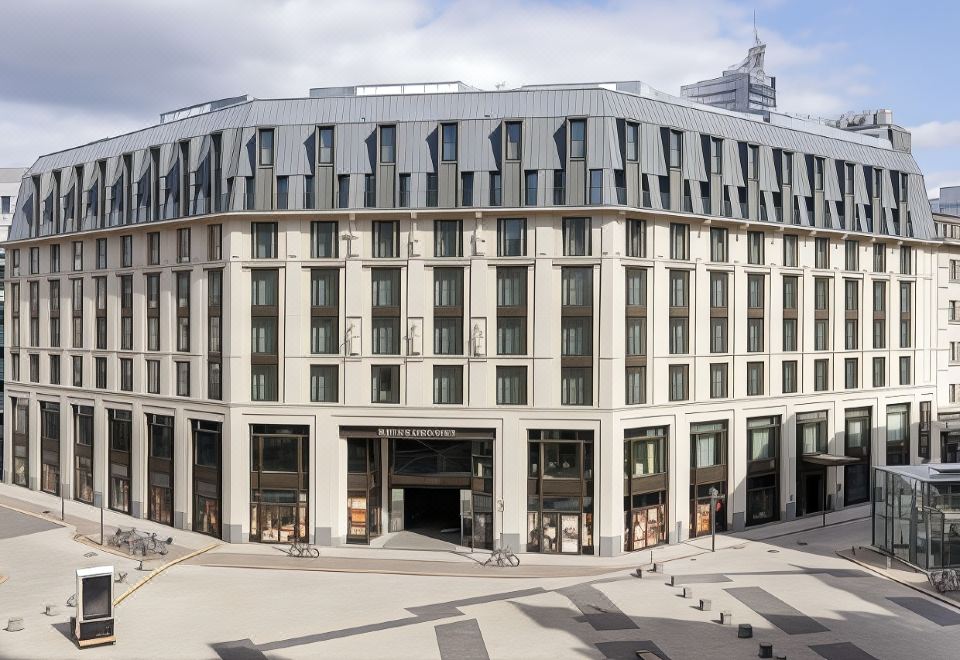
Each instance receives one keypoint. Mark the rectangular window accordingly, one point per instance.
(632, 140)
(385, 384)
(879, 371)
(324, 383)
(636, 238)
(679, 288)
(266, 147)
(576, 237)
(679, 241)
(153, 376)
(754, 378)
(851, 373)
(718, 381)
(595, 187)
(153, 248)
(55, 255)
(449, 141)
(126, 374)
(718, 244)
(852, 255)
(183, 311)
(343, 191)
(447, 238)
(906, 260)
(511, 311)
(388, 144)
(54, 369)
(636, 385)
(879, 258)
(511, 386)
(718, 289)
(754, 335)
(821, 335)
(755, 291)
(77, 371)
(100, 370)
(386, 239)
(576, 386)
(821, 375)
(325, 140)
(183, 245)
(678, 382)
(755, 247)
(821, 294)
(578, 138)
(466, 188)
(448, 385)
(511, 237)
(513, 130)
(264, 240)
(77, 255)
(790, 251)
(530, 188)
(905, 370)
(678, 332)
(718, 334)
(496, 191)
(675, 143)
(790, 296)
(789, 376)
(821, 252)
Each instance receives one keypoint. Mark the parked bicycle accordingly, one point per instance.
(157, 545)
(139, 542)
(300, 549)
(502, 557)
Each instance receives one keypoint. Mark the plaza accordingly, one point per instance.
(355, 602)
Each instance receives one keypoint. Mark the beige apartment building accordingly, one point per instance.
(576, 319)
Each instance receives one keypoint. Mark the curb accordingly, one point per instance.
(39, 516)
(875, 571)
(157, 571)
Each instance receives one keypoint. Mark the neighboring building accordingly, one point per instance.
(948, 343)
(9, 187)
(744, 87)
(571, 314)
(948, 202)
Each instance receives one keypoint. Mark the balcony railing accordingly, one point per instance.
(496, 196)
(559, 196)
(308, 200)
(283, 201)
(431, 197)
(403, 199)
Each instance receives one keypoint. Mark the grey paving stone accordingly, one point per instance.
(461, 640)
(241, 649)
(628, 650)
(841, 651)
(13, 523)
(788, 619)
(927, 609)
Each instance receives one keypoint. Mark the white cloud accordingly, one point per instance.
(936, 134)
(141, 58)
(938, 179)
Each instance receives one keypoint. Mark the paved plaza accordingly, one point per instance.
(251, 602)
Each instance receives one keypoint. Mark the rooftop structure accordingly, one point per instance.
(743, 87)
(948, 202)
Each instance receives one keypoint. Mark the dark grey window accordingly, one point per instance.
(789, 376)
(466, 188)
(325, 155)
(790, 250)
(101, 255)
(496, 191)
(386, 239)
(100, 364)
(576, 386)
(266, 146)
(678, 382)
(879, 371)
(511, 237)
(153, 248)
(153, 376)
(126, 374)
(718, 380)
(755, 247)
(821, 375)
(385, 384)
(447, 238)
(343, 191)
(821, 252)
(754, 378)
(448, 384)
(126, 252)
(850, 373)
(449, 134)
(264, 240)
(530, 188)
(388, 144)
(578, 138)
(511, 386)
(718, 244)
(283, 192)
(852, 254)
(633, 141)
(679, 241)
(576, 237)
(636, 385)
(636, 238)
(183, 245)
(324, 383)
(404, 200)
(323, 239)
(513, 129)
(596, 187)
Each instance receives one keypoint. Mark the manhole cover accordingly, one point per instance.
(801, 542)
(90, 554)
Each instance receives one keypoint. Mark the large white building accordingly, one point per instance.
(560, 318)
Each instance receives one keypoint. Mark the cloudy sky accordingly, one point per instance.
(72, 72)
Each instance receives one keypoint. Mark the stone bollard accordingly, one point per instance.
(50, 610)
(726, 618)
(658, 567)
(638, 573)
(705, 605)
(744, 631)
(766, 650)
(674, 581)
(688, 592)
(15, 624)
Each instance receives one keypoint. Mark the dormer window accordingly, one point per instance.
(388, 144)
(513, 140)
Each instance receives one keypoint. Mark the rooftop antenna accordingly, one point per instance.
(500, 85)
(756, 35)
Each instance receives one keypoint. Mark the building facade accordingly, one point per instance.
(744, 87)
(572, 320)
(10, 178)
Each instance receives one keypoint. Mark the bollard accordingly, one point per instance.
(658, 567)
(688, 592)
(705, 605)
(50, 610)
(766, 650)
(15, 624)
(888, 563)
(745, 631)
(674, 581)
(638, 573)
(726, 618)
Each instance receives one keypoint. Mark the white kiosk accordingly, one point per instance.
(93, 624)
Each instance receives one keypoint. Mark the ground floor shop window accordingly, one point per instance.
(709, 507)
(856, 485)
(646, 520)
(83, 454)
(763, 475)
(560, 492)
(160, 468)
(364, 493)
(119, 487)
(21, 442)
(206, 476)
(279, 482)
(120, 431)
(763, 502)
(645, 487)
(50, 447)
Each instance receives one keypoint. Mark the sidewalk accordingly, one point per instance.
(807, 523)
(898, 572)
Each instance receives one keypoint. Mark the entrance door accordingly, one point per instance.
(812, 492)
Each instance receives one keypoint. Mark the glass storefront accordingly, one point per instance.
(83, 454)
(898, 434)
(560, 492)
(645, 486)
(206, 476)
(364, 494)
(279, 483)
(121, 432)
(21, 442)
(763, 475)
(50, 447)
(811, 477)
(856, 477)
(160, 468)
(708, 477)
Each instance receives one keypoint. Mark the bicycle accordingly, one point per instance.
(304, 550)
(502, 557)
(156, 545)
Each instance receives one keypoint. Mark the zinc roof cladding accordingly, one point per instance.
(805, 137)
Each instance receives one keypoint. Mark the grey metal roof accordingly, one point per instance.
(479, 115)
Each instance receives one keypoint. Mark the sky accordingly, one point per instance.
(72, 72)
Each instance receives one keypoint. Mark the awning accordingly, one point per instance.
(829, 459)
